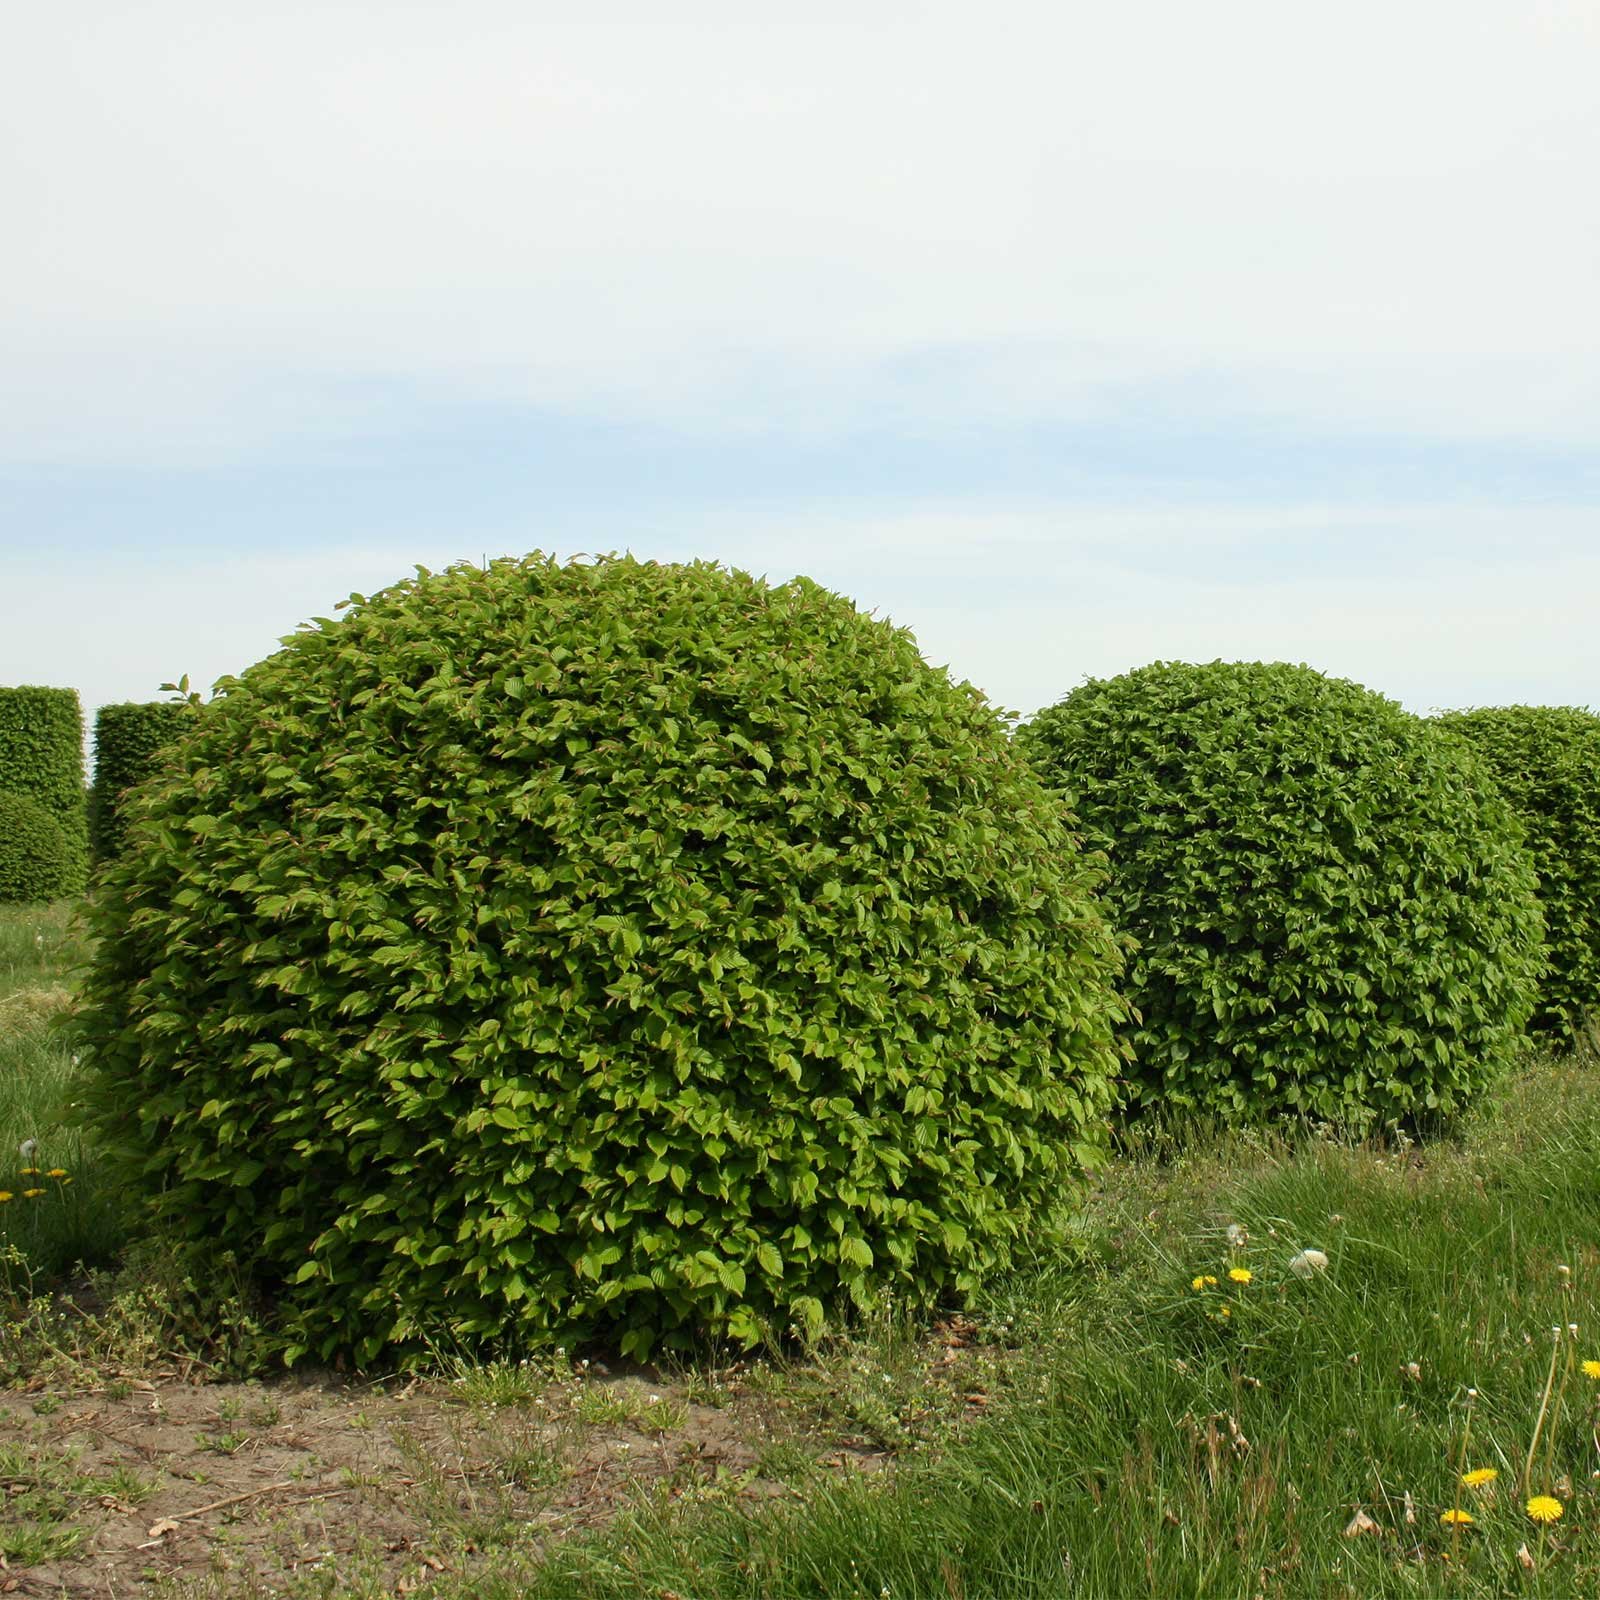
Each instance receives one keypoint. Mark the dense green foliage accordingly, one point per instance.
(37, 861)
(129, 741)
(1546, 761)
(41, 756)
(614, 946)
(1334, 912)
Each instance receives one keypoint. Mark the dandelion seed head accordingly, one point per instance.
(1308, 1263)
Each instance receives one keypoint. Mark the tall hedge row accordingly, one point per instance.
(1546, 762)
(41, 759)
(129, 740)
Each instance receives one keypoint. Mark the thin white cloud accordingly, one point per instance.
(1022, 603)
(1369, 215)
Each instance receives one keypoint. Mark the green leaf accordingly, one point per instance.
(857, 1252)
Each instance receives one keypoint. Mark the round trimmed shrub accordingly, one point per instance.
(1546, 761)
(612, 948)
(37, 860)
(1334, 913)
(41, 758)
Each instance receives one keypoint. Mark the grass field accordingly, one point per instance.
(1163, 1406)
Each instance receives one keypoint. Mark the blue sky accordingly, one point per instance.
(1070, 336)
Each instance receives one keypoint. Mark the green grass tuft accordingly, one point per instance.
(59, 1212)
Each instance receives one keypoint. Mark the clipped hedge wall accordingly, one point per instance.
(1546, 760)
(600, 948)
(36, 856)
(129, 741)
(1334, 911)
(41, 757)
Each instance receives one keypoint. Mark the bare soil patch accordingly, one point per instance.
(225, 1489)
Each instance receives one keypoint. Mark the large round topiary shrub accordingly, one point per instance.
(1334, 913)
(610, 947)
(37, 859)
(1546, 760)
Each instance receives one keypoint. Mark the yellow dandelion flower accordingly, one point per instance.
(1454, 1518)
(56, 1172)
(1544, 1508)
(1227, 1311)
(1204, 1281)
(5, 1194)
(28, 1172)
(1240, 1274)
(32, 1194)
(1480, 1476)
(1591, 1369)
